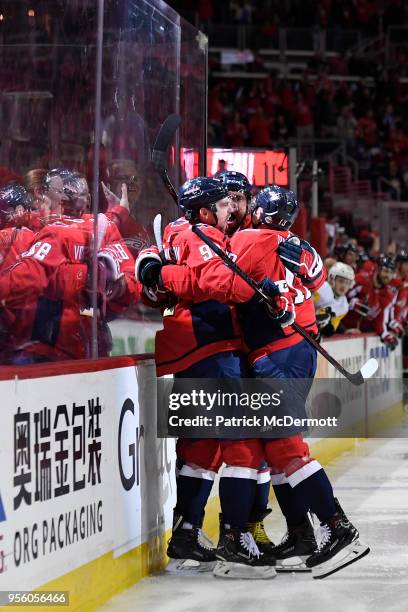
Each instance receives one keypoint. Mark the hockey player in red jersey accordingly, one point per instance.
(50, 280)
(277, 350)
(16, 233)
(240, 193)
(347, 253)
(202, 339)
(371, 301)
(399, 284)
(15, 215)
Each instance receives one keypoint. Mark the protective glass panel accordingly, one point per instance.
(75, 181)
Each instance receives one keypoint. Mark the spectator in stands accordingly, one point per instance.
(205, 12)
(395, 184)
(236, 131)
(303, 118)
(367, 129)
(216, 111)
(280, 130)
(324, 113)
(346, 127)
(260, 129)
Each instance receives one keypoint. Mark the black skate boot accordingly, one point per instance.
(257, 529)
(189, 549)
(297, 544)
(239, 557)
(339, 546)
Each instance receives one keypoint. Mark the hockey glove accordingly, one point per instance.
(148, 266)
(323, 317)
(109, 269)
(396, 327)
(280, 305)
(299, 257)
(359, 307)
(390, 340)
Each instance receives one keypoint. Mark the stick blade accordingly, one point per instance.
(164, 140)
(369, 368)
(157, 224)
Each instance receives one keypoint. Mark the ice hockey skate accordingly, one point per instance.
(239, 557)
(297, 545)
(338, 546)
(189, 549)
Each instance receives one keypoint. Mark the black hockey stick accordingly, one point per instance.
(368, 369)
(159, 151)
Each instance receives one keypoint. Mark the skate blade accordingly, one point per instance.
(292, 564)
(189, 567)
(239, 571)
(348, 555)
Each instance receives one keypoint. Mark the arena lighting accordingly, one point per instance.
(261, 167)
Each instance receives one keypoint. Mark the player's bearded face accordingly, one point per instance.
(238, 215)
(385, 275)
(226, 208)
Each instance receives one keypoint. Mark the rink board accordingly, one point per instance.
(86, 489)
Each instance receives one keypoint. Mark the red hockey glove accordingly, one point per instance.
(280, 305)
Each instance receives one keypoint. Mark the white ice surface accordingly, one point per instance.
(372, 486)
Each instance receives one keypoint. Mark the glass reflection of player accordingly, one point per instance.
(124, 132)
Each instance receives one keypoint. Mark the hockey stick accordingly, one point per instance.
(159, 151)
(157, 231)
(368, 369)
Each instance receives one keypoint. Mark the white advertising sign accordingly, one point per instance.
(74, 473)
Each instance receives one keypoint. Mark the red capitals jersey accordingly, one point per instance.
(134, 235)
(48, 282)
(400, 307)
(13, 241)
(195, 328)
(379, 302)
(255, 251)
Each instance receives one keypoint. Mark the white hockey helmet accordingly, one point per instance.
(343, 270)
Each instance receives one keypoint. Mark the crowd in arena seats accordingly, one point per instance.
(347, 14)
(372, 119)
(368, 114)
